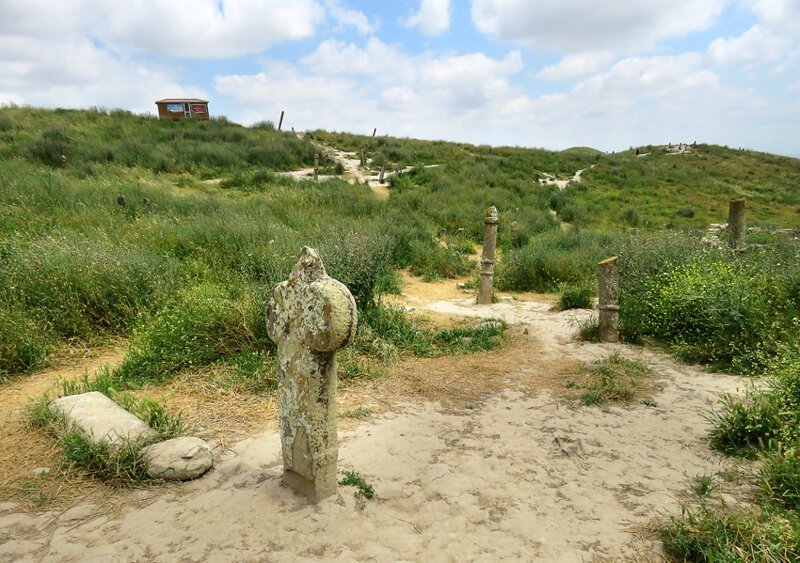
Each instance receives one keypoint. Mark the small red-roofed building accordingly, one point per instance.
(177, 109)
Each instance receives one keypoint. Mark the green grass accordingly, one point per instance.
(614, 379)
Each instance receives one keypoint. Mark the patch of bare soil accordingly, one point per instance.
(472, 457)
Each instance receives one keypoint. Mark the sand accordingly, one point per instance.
(519, 474)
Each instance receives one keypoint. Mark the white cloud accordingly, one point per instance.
(344, 86)
(576, 66)
(432, 18)
(588, 25)
(180, 28)
(775, 36)
(350, 18)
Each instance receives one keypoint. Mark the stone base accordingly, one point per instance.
(314, 491)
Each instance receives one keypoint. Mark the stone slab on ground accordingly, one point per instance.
(102, 419)
(178, 459)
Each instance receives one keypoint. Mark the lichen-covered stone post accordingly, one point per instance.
(316, 166)
(490, 222)
(608, 289)
(736, 224)
(309, 316)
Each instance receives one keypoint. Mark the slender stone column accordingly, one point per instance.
(309, 316)
(736, 224)
(383, 172)
(280, 122)
(485, 288)
(608, 286)
(316, 166)
(363, 158)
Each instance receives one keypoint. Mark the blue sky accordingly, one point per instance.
(547, 73)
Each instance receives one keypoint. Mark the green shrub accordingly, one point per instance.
(575, 298)
(202, 326)
(79, 287)
(23, 345)
(709, 536)
(53, 148)
(780, 476)
(552, 259)
(744, 426)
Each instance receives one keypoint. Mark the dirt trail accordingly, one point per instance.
(509, 472)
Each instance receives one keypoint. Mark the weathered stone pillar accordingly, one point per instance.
(514, 234)
(316, 166)
(608, 288)
(280, 122)
(383, 172)
(487, 259)
(309, 317)
(363, 158)
(736, 224)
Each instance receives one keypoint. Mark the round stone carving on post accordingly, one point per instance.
(485, 287)
(736, 224)
(309, 316)
(608, 289)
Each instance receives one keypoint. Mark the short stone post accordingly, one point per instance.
(608, 288)
(309, 316)
(316, 166)
(485, 288)
(382, 174)
(363, 158)
(514, 234)
(736, 224)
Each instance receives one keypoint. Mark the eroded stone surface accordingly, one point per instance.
(102, 419)
(309, 317)
(485, 289)
(736, 224)
(608, 302)
(178, 459)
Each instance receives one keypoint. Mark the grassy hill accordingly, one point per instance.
(106, 218)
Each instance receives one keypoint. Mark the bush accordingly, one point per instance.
(780, 477)
(51, 148)
(202, 326)
(575, 298)
(23, 345)
(552, 259)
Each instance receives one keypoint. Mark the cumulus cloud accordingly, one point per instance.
(577, 66)
(588, 25)
(348, 17)
(773, 37)
(432, 18)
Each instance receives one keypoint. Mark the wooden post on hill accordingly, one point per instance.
(736, 224)
(486, 285)
(608, 289)
(280, 121)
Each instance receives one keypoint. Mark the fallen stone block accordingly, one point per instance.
(179, 459)
(102, 419)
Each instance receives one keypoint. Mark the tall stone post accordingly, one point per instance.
(490, 222)
(608, 288)
(309, 316)
(736, 224)
(363, 158)
(383, 172)
(514, 234)
(280, 121)
(374, 131)
(316, 166)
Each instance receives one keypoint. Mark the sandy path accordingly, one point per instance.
(519, 475)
